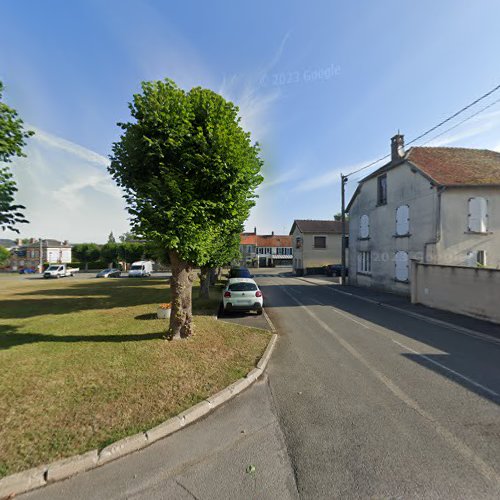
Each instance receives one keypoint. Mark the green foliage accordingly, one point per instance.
(188, 169)
(12, 141)
(128, 237)
(109, 253)
(86, 252)
(131, 252)
(4, 255)
(111, 238)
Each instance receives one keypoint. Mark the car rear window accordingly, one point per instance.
(242, 287)
(240, 273)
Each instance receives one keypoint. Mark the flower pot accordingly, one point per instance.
(163, 313)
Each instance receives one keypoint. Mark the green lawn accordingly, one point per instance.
(84, 363)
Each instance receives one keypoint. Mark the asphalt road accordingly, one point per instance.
(374, 403)
(358, 402)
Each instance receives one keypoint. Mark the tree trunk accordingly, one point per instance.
(181, 285)
(212, 276)
(204, 283)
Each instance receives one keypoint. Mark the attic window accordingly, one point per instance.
(382, 190)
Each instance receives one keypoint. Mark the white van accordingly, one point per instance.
(140, 269)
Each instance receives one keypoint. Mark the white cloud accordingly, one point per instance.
(68, 146)
(67, 192)
(285, 177)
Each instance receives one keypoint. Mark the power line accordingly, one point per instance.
(461, 122)
(465, 108)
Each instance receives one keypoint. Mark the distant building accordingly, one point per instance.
(316, 243)
(28, 255)
(268, 250)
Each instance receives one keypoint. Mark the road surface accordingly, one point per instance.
(358, 402)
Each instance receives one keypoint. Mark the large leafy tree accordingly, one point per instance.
(12, 140)
(86, 252)
(130, 251)
(189, 171)
(109, 253)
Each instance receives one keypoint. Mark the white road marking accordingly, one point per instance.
(457, 374)
(481, 466)
(377, 329)
(445, 324)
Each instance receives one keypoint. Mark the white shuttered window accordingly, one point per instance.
(402, 271)
(403, 220)
(478, 215)
(364, 226)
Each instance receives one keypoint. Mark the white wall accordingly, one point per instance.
(456, 241)
(464, 290)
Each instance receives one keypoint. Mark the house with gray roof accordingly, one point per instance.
(316, 243)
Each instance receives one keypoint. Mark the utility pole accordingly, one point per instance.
(41, 256)
(343, 181)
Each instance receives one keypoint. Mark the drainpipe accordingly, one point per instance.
(437, 238)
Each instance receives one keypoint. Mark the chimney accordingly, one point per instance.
(255, 230)
(397, 147)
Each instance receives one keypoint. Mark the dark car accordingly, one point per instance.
(335, 270)
(239, 272)
(109, 273)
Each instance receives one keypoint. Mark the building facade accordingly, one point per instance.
(316, 243)
(268, 250)
(433, 205)
(27, 256)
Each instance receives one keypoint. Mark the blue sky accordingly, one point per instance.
(321, 85)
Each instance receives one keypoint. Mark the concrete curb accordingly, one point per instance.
(37, 477)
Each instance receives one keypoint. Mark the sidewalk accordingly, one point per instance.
(391, 300)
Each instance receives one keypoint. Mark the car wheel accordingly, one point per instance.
(259, 312)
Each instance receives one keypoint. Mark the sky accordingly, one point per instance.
(322, 86)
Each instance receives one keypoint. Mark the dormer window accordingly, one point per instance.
(382, 189)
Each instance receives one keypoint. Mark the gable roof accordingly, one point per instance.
(47, 243)
(274, 241)
(267, 240)
(450, 167)
(318, 226)
(457, 166)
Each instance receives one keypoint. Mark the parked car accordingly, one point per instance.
(242, 294)
(109, 273)
(140, 269)
(239, 272)
(335, 270)
(27, 270)
(59, 271)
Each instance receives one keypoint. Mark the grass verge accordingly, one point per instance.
(84, 363)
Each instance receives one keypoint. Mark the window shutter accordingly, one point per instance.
(402, 220)
(478, 214)
(471, 259)
(402, 266)
(364, 226)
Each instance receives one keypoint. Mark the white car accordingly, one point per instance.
(242, 294)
